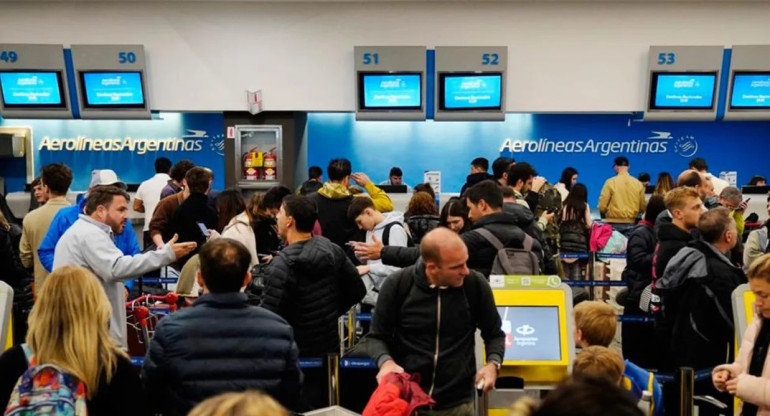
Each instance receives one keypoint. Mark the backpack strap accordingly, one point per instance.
(386, 232)
(29, 354)
(720, 309)
(471, 289)
(496, 243)
(529, 242)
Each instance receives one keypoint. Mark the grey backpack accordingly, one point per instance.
(518, 261)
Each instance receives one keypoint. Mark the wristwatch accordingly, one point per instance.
(496, 363)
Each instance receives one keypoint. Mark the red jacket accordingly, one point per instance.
(397, 395)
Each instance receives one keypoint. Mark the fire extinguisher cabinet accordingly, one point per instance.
(259, 156)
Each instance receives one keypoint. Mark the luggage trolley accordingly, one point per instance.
(142, 315)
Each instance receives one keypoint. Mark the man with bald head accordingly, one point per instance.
(696, 180)
(425, 321)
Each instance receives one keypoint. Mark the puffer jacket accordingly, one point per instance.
(481, 253)
(419, 225)
(221, 344)
(311, 283)
(638, 271)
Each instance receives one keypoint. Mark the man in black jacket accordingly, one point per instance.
(221, 344)
(479, 168)
(697, 292)
(485, 202)
(310, 283)
(425, 323)
(685, 206)
(193, 211)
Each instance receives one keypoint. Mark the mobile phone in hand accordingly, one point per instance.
(204, 230)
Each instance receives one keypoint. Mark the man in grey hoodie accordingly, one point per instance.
(89, 243)
(387, 228)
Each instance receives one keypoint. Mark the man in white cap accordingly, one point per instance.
(125, 241)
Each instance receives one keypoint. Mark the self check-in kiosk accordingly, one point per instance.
(536, 314)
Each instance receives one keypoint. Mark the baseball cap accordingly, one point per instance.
(106, 177)
(621, 161)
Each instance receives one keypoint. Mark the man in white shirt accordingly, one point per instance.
(148, 195)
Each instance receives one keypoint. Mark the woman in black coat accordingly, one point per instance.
(638, 336)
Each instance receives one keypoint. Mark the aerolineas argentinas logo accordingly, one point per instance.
(193, 141)
(657, 142)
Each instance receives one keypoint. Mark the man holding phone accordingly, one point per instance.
(194, 217)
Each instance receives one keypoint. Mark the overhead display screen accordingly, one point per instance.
(470, 91)
(750, 90)
(531, 333)
(32, 89)
(112, 89)
(683, 91)
(390, 91)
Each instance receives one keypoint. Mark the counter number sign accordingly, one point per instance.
(9, 56)
(666, 58)
(126, 57)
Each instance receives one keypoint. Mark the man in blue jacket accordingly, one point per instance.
(125, 241)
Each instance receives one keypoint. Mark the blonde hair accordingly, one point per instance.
(68, 327)
(248, 403)
(597, 321)
(599, 362)
(677, 197)
(760, 268)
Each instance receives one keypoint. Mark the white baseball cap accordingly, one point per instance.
(106, 177)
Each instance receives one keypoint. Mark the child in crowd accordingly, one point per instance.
(596, 324)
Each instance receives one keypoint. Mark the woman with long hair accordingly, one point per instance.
(567, 180)
(454, 215)
(68, 328)
(574, 229)
(664, 184)
(237, 220)
(421, 215)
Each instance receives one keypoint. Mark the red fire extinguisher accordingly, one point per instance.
(271, 171)
(252, 164)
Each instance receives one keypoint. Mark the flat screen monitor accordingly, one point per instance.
(112, 89)
(683, 90)
(470, 91)
(389, 91)
(393, 189)
(751, 90)
(531, 333)
(30, 89)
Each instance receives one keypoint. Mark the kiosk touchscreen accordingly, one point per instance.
(536, 317)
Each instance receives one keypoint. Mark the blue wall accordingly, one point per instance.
(551, 142)
(129, 147)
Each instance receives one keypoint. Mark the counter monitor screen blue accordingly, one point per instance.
(31, 89)
(470, 91)
(389, 91)
(751, 90)
(112, 89)
(531, 333)
(683, 91)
